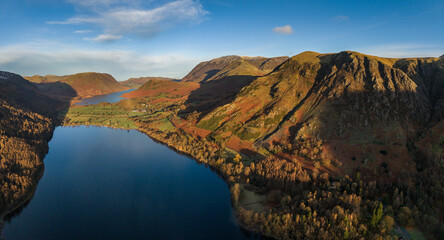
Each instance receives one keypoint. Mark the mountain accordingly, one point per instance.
(21, 93)
(223, 77)
(162, 89)
(231, 66)
(83, 84)
(316, 146)
(210, 83)
(324, 146)
(27, 120)
(352, 110)
(137, 82)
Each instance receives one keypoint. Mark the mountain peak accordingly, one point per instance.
(232, 65)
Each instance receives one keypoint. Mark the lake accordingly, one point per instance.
(102, 183)
(109, 98)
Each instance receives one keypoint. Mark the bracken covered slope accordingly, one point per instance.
(354, 110)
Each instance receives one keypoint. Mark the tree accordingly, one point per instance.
(386, 224)
(377, 215)
(237, 158)
(235, 191)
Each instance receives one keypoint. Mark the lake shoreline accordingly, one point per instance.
(236, 207)
(233, 211)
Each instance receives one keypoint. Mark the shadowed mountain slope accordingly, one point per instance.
(84, 84)
(222, 78)
(27, 120)
(231, 66)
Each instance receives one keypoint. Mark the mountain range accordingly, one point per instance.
(298, 126)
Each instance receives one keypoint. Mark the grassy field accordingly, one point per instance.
(112, 116)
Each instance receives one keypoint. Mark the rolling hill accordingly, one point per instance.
(83, 84)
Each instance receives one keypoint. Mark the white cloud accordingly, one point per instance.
(283, 30)
(104, 38)
(97, 2)
(127, 17)
(404, 50)
(82, 31)
(341, 18)
(41, 58)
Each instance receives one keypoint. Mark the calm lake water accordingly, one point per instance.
(109, 98)
(102, 183)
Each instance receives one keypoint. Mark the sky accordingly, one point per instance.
(136, 38)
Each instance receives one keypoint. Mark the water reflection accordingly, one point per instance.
(109, 98)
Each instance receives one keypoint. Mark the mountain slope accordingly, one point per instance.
(137, 82)
(27, 120)
(83, 84)
(161, 88)
(222, 78)
(332, 106)
(232, 65)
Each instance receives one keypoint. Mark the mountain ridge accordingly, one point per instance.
(84, 84)
(137, 82)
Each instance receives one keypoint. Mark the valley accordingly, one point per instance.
(318, 146)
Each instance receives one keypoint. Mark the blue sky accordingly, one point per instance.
(134, 38)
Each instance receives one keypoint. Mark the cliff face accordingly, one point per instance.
(353, 110)
(428, 74)
(81, 84)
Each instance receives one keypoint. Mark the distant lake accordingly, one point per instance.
(109, 98)
(102, 183)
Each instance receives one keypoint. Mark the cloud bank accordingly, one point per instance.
(283, 30)
(104, 38)
(132, 17)
(37, 59)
